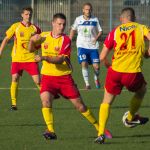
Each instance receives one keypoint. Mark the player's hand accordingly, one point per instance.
(94, 41)
(38, 58)
(147, 53)
(107, 63)
(36, 38)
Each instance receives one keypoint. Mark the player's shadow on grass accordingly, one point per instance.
(122, 141)
(139, 136)
(122, 137)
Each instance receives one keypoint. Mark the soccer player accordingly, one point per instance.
(22, 59)
(127, 40)
(89, 30)
(56, 73)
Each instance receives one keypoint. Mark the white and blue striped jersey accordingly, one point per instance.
(87, 32)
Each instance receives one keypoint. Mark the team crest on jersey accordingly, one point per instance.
(45, 45)
(21, 34)
(57, 48)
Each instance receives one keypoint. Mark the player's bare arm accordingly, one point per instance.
(103, 56)
(147, 52)
(35, 42)
(51, 59)
(4, 42)
(72, 33)
(96, 38)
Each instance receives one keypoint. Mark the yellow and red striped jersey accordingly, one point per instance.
(129, 47)
(22, 34)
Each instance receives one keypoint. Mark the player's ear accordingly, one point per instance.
(22, 15)
(83, 11)
(120, 19)
(52, 23)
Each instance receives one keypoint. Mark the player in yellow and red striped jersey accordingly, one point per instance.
(128, 43)
(22, 59)
(56, 73)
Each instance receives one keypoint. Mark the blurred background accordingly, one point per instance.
(107, 12)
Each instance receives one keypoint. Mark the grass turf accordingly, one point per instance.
(22, 130)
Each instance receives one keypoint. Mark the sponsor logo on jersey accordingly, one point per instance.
(25, 45)
(124, 28)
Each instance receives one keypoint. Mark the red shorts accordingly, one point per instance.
(115, 81)
(63, 85)
(30, 67)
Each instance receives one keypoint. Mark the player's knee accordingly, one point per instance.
(81, 108)
(15, 78)
(96, 68)
(84, 65)
(45, 103)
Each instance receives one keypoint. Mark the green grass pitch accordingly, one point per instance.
(22, 130)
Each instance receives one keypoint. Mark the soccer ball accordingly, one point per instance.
(124, 120)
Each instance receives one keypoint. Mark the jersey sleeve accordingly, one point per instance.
(98, 25)
(75, 25)
(38, 30)
(66, 47)
(11, 31)
(109, 41)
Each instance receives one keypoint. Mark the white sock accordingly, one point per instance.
(85, 74)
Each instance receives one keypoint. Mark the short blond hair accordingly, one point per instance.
(87, 4)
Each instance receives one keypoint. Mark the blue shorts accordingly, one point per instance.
(88, 55)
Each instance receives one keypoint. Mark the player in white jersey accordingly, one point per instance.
(89, 30)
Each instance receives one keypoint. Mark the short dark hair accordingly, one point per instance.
(59, 15)
(129, 12)
(28, 9)
(87, 4)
